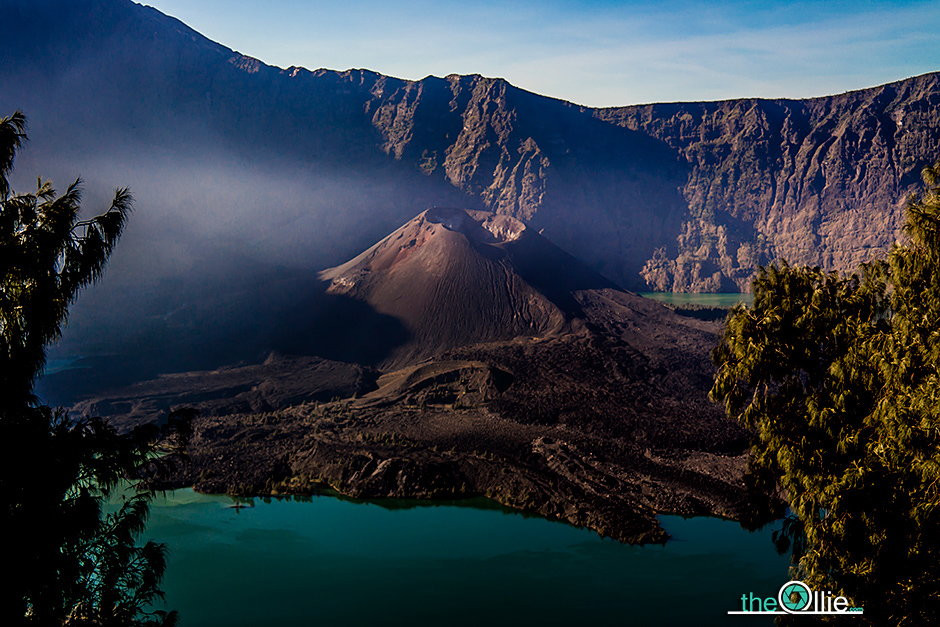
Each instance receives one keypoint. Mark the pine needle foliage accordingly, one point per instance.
(71, 560)
(838, 380)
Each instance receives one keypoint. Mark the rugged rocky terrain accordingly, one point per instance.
(279, 381)
(507, 368)
(524, 377)
(819, 181)
(560, 428)
(685, 196)
(590, 429)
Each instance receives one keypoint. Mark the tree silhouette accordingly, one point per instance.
(838, 379)
(68, 502)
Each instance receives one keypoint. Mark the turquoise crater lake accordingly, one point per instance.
(330, 561)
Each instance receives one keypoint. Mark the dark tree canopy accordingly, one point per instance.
(46, 256)
(838, 379)
(68, 506)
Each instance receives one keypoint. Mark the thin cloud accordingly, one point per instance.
(595, 53)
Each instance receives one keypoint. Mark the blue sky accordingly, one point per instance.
(599, 53)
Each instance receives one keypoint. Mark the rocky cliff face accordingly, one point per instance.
(606, 193)
(819, 181)
(684, 197)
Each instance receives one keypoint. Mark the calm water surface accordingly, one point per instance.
(728, 299)
(335, 562)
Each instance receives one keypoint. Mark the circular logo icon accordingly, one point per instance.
(794, 596)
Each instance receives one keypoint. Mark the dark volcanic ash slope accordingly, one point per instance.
(279, 381)
(454, 277)
(606, 428)
(527, 378)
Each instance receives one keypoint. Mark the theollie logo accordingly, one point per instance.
(795, 597)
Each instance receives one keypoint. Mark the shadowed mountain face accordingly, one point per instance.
(102, 77)
(680, 196)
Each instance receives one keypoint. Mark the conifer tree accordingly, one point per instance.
(72, 562)
(838, 379)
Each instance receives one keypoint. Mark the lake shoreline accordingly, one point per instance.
(613, 487)
(316, 558)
